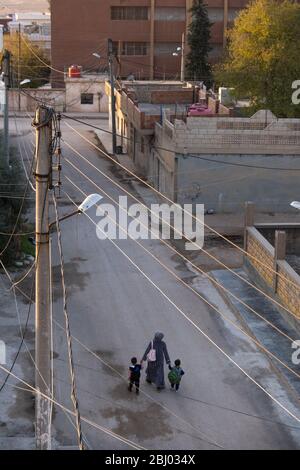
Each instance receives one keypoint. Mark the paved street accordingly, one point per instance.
(115, 311)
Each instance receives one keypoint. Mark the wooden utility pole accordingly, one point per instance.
(152, 38)
(182, 73)
(7, 82)
(19, 67)
(43, 124)
(112, 95)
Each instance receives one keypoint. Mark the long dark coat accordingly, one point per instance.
(155, 370)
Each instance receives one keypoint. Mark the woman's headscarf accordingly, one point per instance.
(158, 336)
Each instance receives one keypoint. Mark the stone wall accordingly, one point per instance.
(263, 133)
(272, 271)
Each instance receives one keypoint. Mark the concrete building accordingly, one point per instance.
(145, 33)
(140, 105)
(224, 162)
(4, 20)
(85, 94)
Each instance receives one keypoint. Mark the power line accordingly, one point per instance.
(145, 183)
(290, 413)
(202, 402)
(194, 243)
(19, 213)
(39, 58)
(21, 155)
(23, 334)
(172, 150)
(196, 292)
(212, 279)
(24, 234)
(32, 389)
(169, 245)
(29, 306)
(68, 331)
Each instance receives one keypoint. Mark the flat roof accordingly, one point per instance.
(155, 109)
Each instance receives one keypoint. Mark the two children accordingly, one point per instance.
(175, 375)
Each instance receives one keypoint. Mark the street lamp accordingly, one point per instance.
(181, 51)
(296, 205)
(89, 202)
(95, 54)
(25, 82)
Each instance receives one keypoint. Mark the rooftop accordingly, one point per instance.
(31, 16)
(157, 109)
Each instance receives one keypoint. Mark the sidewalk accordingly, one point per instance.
(270, 338)
(17, 406)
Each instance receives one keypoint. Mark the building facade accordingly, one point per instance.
(146, 33)
(141, 105)
(224, 162)
(35, 26)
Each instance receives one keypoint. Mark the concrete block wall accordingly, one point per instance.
(53, 97)
(277, 275)
(183, 96)
(288, 292)
(237, 135)
(261, 249)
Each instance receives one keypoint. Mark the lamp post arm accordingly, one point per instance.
(65, 217)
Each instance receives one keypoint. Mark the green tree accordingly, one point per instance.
(12, 188)
(197, 65)
(30, 66)
(263, 55)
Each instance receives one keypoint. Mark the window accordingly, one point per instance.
(87, 98)
(129, 13)
(170, 14)
(134, 48)
(216, 14)
(167, 48)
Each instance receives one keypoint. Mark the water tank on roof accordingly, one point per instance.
(74, 71)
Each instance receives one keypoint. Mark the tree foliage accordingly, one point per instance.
(12, 186)
(30, 66)
(198, 66)
(263, 55)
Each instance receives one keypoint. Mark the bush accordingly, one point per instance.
(12, 188)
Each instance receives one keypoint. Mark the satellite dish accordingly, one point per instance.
(89, 202)
(296, 204)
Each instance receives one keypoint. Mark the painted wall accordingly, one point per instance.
(226, 188)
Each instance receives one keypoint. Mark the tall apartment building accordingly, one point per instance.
(146, 33)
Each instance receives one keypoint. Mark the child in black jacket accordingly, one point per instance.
(134, 375)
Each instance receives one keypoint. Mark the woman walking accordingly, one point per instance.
(155, 368)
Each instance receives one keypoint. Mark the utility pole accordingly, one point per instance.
(7, 82)
(182, 74)
(113, 98)
(19, 67)
(43, 124)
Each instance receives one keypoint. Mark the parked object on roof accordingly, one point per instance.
(74, 71)
(199, 109)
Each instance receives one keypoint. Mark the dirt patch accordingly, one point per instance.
(132, 421)
(76, 279)
(217, 253)
(113, 368)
